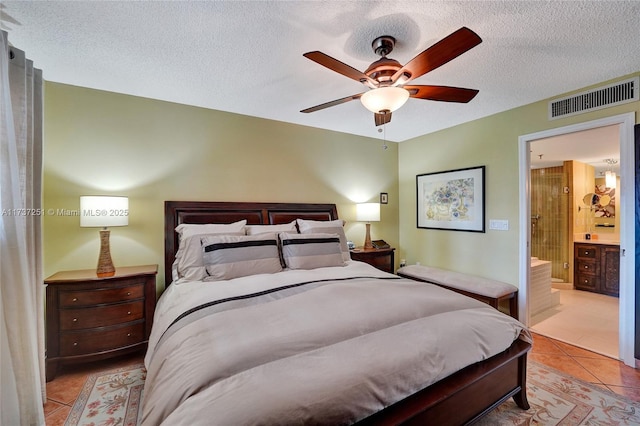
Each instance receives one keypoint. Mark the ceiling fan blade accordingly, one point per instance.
(332, 103)
(439, 54)
(441, 93)
(382, 117)
(341, 68)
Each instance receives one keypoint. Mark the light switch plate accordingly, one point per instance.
(499, 224)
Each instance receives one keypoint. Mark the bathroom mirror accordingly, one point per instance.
(591, 199)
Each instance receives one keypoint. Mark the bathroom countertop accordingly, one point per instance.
(598, 241)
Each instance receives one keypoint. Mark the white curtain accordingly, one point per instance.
(22, 378)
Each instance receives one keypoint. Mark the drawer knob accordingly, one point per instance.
(75, 343)
(75, 320)
(128, 334)
(586, 281)
(586, 266)
(586, 252)
(129, 313)
(75, 299)
(128, 293)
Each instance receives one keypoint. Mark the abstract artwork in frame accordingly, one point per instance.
(451, 200)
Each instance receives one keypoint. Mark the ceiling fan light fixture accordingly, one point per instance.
(384, 98)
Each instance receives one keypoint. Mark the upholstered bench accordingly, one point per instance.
(483, 289)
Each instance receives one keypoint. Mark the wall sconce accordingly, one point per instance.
(104, 211)
(368, 212)
(610, 176)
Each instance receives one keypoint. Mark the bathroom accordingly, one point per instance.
(575, 234)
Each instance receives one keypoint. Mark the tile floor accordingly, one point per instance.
(589, 366)
(584, 319)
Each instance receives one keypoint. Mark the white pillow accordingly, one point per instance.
(310, 251)
(261, 229)
(185, 230)
(305, 224)
(226, 257)
(327, 226)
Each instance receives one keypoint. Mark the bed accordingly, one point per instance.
(339, 343)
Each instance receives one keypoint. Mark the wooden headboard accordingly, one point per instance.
(177, 212)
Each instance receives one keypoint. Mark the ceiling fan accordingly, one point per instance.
(387, 79)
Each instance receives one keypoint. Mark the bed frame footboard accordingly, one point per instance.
(466, 396)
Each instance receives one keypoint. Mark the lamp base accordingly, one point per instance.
(367, 238)
(105, 264)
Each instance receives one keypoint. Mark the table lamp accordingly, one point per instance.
(104, 211)
(368, 212)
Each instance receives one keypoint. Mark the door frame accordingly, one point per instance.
(626, 123)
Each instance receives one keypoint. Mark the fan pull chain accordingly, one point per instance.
(384, 136)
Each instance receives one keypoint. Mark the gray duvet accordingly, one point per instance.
(328, 348)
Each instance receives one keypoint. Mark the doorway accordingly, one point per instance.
(627, 242)
(567, 306)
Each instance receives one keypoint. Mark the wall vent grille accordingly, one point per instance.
(618, 93)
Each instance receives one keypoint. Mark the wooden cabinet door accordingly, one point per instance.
(610, 275)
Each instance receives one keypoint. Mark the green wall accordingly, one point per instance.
(103, 143)
(492, 142)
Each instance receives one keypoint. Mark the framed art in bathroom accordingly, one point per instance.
(451, 200)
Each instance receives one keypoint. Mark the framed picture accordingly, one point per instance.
(384, 198)
(451, 200)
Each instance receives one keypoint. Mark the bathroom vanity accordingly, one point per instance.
(597, 267)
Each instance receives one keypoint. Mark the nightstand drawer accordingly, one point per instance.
(100, 296)
(379, 258)
(100, 316)
(92, 341)
(381, 262)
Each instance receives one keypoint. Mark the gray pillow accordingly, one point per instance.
(327, 227)
(227, 257)
(310, 251)
(189, 263)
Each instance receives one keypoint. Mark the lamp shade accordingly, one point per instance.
(104, 211)
(368, 212)
(384, 99)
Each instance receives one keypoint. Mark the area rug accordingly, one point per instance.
(558, 399)
(113, 398)
(110, 398)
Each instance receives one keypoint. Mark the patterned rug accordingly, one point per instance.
(558, 399)
(113, 398)
(110, 398)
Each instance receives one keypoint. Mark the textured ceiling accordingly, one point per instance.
(246, 57)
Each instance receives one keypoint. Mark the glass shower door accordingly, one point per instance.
(550, 219)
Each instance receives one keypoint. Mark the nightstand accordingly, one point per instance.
(380, 258)
(91, 318)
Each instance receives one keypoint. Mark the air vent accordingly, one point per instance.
(610, 95)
